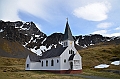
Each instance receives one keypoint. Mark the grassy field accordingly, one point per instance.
(100, 54)
(12, 68)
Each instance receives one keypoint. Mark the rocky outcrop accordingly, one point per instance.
(29, 36)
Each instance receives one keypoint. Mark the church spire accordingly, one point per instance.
(68, 34)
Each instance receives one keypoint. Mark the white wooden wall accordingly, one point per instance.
(56, 65)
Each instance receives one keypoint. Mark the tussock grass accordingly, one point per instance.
(13, 68)
(100, 54)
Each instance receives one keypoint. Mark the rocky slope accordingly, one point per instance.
(29, 36)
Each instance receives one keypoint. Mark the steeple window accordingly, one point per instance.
(71, 52)
(65, 44)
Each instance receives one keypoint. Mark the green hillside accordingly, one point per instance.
(103, 53)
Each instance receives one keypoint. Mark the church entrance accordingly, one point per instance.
(71, 65)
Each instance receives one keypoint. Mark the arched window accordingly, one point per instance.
(57, 61)
(71, 51)
(42, 64)
(52, 62)
(46, 62)
(27, 65)
(64, 60)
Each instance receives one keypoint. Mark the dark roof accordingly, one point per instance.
(34, 57)
(71, 57)
(68, 34)
(54, 52)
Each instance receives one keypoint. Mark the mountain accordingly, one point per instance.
(32, 39)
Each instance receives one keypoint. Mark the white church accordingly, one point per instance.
(62, 59)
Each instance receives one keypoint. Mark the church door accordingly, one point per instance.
(71, 65)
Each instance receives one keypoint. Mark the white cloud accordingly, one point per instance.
(115, 34)
(37, 8)
(118, 28)
(105, 33)
(100, 32)
(104, 25)
(9, 10)
(93, 12)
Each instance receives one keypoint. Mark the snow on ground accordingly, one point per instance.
(37, 35)
(77, 42)
(55, 45)
(38, 51)
(84, 46)
(102, 66)
(1, 30)
(60, 43)
(43, 41)
(116, 63)
(91, 44)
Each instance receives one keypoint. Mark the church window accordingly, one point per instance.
(57, 61)
(40, 61)
(46, 62)
(65, 43)
(27, 65)
(69, 52)
(76, 62)
(64, 60)
(72, 52)
(42, 64)
(52, 62)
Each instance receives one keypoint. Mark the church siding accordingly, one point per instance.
(56, 64)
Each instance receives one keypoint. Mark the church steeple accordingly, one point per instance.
(68, 39)
(68, 34)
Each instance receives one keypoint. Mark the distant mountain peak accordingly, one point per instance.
(28, 35)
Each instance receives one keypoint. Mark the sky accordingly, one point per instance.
(84, 16)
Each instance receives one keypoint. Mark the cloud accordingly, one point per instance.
(37, 8)
(104, 25)
(115, 34)
(93, 12)
(9, 10)
(118, 28)
(100, 32)
(105, 33)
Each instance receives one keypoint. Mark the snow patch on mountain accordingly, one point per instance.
(77, 42)
(1, 30)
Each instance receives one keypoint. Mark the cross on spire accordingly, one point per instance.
(67, 19)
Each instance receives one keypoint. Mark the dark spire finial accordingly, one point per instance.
(68, 33)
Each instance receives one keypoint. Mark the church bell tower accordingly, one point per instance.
(68, 38)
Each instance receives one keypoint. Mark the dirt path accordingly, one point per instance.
(87, 77)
